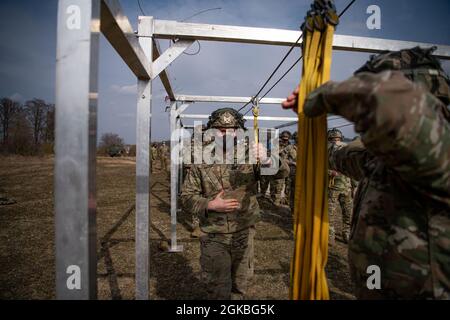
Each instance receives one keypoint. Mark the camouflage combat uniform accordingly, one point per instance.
(154, 157)
(401, 219)
(195, 222)
(164, 157)
(289, 154)
(227, 245)
(277, 183)
(292, 160)
(340, 201)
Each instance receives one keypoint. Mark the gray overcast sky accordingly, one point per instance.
(28, 44)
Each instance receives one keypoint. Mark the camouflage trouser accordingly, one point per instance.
(287, 189)
(264, 183)
(227, 263)
(165, 164)
(276, 187)
(343, 200)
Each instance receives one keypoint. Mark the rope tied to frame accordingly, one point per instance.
(308, 278)
(255, 111)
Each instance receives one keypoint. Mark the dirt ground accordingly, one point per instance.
(27, 261)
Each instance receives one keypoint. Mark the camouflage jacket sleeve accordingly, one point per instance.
(192, 199)
(400, 123)
(349, 159)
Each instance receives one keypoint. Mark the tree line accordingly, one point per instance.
(27, 128)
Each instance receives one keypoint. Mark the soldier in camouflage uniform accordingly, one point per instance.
(154, 156)
(164, 157)
(289, 154)
(224, 198)
(340, 201)
(277, 184)
(195, 148)
(401, 220)
(292, 160)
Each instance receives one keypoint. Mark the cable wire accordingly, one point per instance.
(200, 12)
(195, 53)
(288, 70)
(274, 71)
(140, 7)
(198, 42)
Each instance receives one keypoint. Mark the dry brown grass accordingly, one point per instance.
(27, 239)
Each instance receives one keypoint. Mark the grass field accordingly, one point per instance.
(27, 260)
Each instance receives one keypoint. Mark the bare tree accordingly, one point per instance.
(112, 144)
(20, 141)
(8, 108)
(36, 110)
(49, 134)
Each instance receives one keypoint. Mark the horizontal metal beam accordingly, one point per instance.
(117, 29)
(377, 45)
(225, 99)
(165, 29)
(262, 118)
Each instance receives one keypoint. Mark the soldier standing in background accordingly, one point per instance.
(340, 201)
(289, 154)
(277, 184)
(401, 220)
(195, 222)
(164, 157)
(154, 156)
(224, 198)
(292, 160)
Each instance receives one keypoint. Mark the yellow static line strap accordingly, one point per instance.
(308, 278)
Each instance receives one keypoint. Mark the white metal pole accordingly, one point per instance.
(143, 169)
(174, 165)
(75, 148)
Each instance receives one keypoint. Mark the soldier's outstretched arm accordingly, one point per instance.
(349, 159)
(191, 193)
(400, 122)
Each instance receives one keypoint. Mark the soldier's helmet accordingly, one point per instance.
(417, 64)
(226, 118)
(285, 135)
(335, 133)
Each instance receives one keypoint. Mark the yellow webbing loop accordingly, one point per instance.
(308, 278)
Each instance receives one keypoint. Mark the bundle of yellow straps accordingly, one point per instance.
(308, 278)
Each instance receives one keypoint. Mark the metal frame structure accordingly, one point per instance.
(79, 25)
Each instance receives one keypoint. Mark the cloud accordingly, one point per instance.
(127, 89)
(17, 97)
(224, 69)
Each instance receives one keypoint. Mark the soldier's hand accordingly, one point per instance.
(223, 205)
(291, 101)
(333, 173)
(260, 152)
(314, 103)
